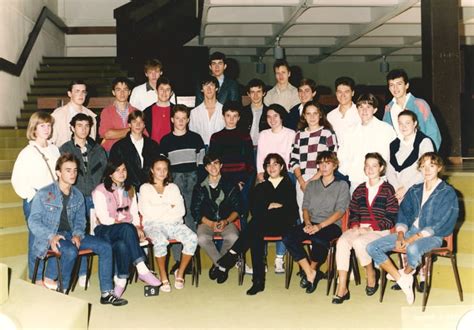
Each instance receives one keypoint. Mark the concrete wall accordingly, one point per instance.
(17, 18)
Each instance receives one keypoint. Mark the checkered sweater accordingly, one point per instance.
(307, 146)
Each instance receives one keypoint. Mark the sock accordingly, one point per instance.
(142, 268)
(82, 281)
(106, 293)
(232, 252)
(278, 256)
(121, 282)
(222, 269)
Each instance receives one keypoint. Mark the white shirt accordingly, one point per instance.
(139, 146)
(255, 129)
(373, 190)
(200, 122)
(287, 97)
(343, 124)
(143, 96)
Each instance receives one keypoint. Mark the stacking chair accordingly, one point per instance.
(49, 254)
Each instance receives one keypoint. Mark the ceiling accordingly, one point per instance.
(320, 30)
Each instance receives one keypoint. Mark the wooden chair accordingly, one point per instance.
(194, 267)
(49, 254)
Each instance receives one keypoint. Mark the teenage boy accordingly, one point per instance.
(185, 150)
(397, 81)
(206, 118)
(157, 115)
(228, 88)
(344, 118)
(283, 93)
(144, 95)
(113, 118)
(306, 93)
(57, 222)
(77, 92)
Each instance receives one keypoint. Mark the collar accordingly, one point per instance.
(148, 87)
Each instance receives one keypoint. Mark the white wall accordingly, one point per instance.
(17, 18)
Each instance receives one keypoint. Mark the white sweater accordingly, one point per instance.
(167, 207)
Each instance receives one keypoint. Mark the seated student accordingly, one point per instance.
(162, 208)
(274, 212)
(113, 118)
(373, 211)
(253, 116)
(144, 95)
(118, 223)
(136, 150)
(215, 206)
(57, 221)
(325, 202)
(306, 93)
(420, 225)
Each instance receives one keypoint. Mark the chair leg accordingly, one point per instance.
(195, 272)
(35, 270)
(429, 272)
(151, 258)
(241, 268)
(355, 268)
(74, 274)
(383, 283)
(90, 260)
(60, 276)
(456, 276)
(197, 253)
(330, 271)
(289, 269)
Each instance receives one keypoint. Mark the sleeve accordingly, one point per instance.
(406, 213)
(392, 175)
(428, 125)
(192, 123)
(93, 132)
(37, 224)
(234, 94)
(332, 141)
(101, 210)
(295, 153)
(134, 211)
(391, 210)
(79, 223)
(178, 211)
(260, 156)
(200, 150)
(249, 155)
(354, 210)
(105, 122)
(135, 99)
(196, 204)
(144, 205)
(20, 179)
(234, 199)
(343, 198)
(442, 223)
(307, 196)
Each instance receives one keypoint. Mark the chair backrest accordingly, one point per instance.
(449, 242)
(93, 222)
(345, 221)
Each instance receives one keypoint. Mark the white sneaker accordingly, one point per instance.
(406, 284)
(279, 269)
(82, 281)
(401, 271)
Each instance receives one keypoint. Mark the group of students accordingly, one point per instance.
(164, 172)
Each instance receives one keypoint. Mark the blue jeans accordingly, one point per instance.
(31, 256)
(378, 249)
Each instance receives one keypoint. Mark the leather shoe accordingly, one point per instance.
(339, 300)
(228, 260)
(304, 281)
(370, 290)
(222, 276)
(213, 272)
(256, 288)
(313, 285)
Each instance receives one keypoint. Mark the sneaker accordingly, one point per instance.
(111, 299)
(82, 281)
(401, 271)
(149, 279)
(279, 269)
(406, 284)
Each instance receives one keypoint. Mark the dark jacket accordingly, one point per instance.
(126, 151)
(246, 119)
(148, 118)
(293, 118)
(229, 91)
(87, 178)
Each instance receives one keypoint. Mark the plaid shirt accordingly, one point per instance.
(307, 146)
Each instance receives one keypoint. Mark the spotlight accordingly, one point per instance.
(384, 66)
(278, 51)
(260, 67)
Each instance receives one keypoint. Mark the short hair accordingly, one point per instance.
(279, 160)
(397, 73)
(135, 115)
(233, 106)
(209, 158)
(308, 82)
(367, 98)
(411, 114)
(64, 158)
(279, 63)
(152, 63)
(434, 159)
(39, 117)
(380, 160)
(346, 81)
(217, 56)
(75, 82)
(302, 124)
(180, 108)
(163, 81)
(111, 167)
(123, 80)
(255, 83)
(81, 117)
(327, 156)
(210, 79)
(169, 177)
(279, 110)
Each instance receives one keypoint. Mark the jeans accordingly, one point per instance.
(415, 251)
(125, 245)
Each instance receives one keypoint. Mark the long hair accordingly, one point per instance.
(279, 160)
(111, 167)
(323, 122)
(168, 178)
(39, 117)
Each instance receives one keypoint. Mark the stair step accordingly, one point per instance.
(79, 67)
(443, 276)
(463, 182)
(31, 106)
(11, 215)
(9, 153)
(73, 60)
(464, 235)
(65, 82)
(6, 165)
(46, 91)
(7, 194)
(467, 206)
(12, 133)
(13, 241)
(18, 264)
(80, 75)
(13, 142)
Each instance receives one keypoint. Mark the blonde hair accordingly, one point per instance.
(434, 158)
(37, 118)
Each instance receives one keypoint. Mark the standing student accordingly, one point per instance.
(306, 93)
(253, 116)
(283, 93)
(145, 95)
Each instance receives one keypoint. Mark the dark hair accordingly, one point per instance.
(308, 82)
(163, 81)
(151, 64)
(279, 63)
(169, 177)
(380, 160)
(367, 98)
(210, 79)
(75, 82)
(180, 108)
(279, 160)
(411, 114)
(327, 156)
(135, 115)
(434, 158)
(111, 167)
(209, 158)
(397, 73)
(233, 106)
(279, 110)
(64, 158)
(346, 81)
(255, 83)
(302, 124)
(217, 56)
(81, 117)
(123, 80)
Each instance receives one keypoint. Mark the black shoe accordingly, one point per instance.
(256, 288)
(421, 286)
(304, 281)
(370, 290)
(213, 272)
(339, 300)
(113, 300)
(174, 268)
(222, 276)
(312, 286)
(396, 287)
(228, 260)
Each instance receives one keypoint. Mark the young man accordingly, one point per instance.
(206, 118)
(113, 118)
(136, 151)
(57, 222)
(397, 81)
(77, 92)
(345, 117)
(283, 93)
(228, 88)
(157, 115)
(185, 150)
(144, 95)
(306, 93)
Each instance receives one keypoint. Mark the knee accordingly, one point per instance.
(359, 245)
(129, 229)
(69, 252)
(120, 247)
(413, 250)
(203, 239)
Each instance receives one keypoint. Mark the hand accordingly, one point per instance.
(141, 234)
(411, 239)
(274, 206)
(219, 226)
(303, 184)
(400, 193)
(76, 241)
(312, 229)
(365, 230)
(241, 185)
(400, 243)
(55, 242)
(260, 177)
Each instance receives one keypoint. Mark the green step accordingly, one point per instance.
(46, 91)
(13, 241)
(11, 215)
(30, 106)
(468, 208)
(7, 194)
(6, 165)
(443, 276)
(464, 242)
(80, 75)
(12, 133)
(74, 60)
(463, 182)
(79, 67)
(9, 153)
(65, 82)
(13, 142)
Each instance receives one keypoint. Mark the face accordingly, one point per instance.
(231, 118)
(274, 119)
(217, 67)
(164, 93)
(68, 173)
(305, 93)
(312, 116)
(327, 168)
(282, 74)
(121, 92)
(120, 175)
(153, 75)
(180, 120)
(406, 125)
(214, 168)
(372, 168)
(82, 129)
(274, 169)
(366, 112)
(344, 94)
(160, 171)
(398, 87)
(429, 170)
(209, 90)
(137, 126)
(256, 94)
(78, 94)
(43, 131)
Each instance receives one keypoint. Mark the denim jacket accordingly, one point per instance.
(45, 216)
(437, 216)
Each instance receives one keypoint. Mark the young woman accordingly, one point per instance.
(274, 212)
(33, 170)
(162, 208)
(118, 223)
(325, 202)
(373, 211)
(420, 225)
